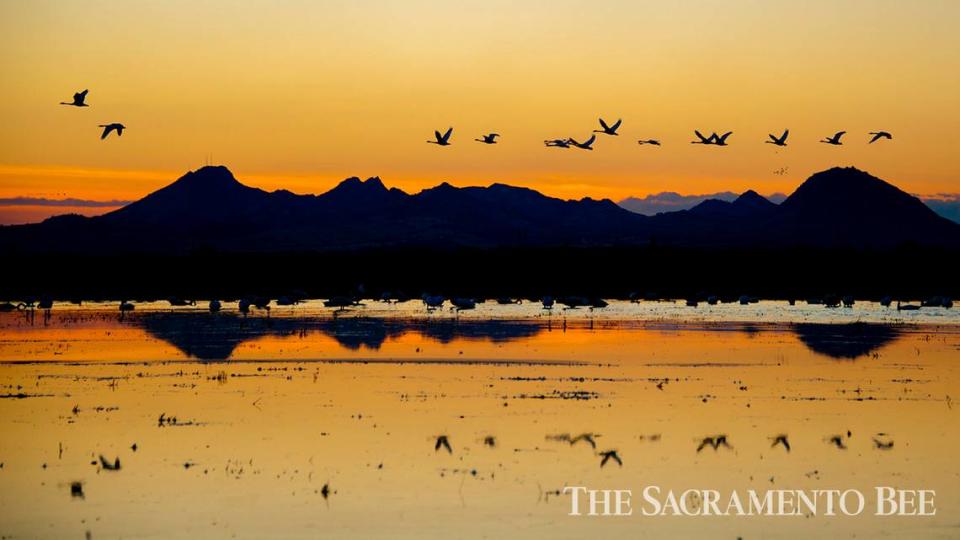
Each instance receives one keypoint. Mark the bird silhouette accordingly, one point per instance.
(779, 141)
(442, 442)
(907, 307)
(781, 439)
(837, 440)
(877, 135)
(107, 128)
(720, 140)
(78, 100)
(490, 138)
(835, 140)
(557, 143)
(607, 455)
(588, 437)
(654, 142)
(115, 466)
(703, 140)
(882, 445)
(714, 442)
(609, 130)
(442, 140)
(585, 145)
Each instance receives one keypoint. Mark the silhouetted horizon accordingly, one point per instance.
(210, 209)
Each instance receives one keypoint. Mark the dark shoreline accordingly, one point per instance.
(907, 273)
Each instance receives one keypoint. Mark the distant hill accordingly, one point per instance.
(208, 209)
(669, 201)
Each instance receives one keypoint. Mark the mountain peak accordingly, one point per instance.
(209, 176)
(752, 199)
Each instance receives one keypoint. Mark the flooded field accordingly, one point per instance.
(389, 422)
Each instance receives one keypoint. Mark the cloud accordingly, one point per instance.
(669, 201)
(75, 203)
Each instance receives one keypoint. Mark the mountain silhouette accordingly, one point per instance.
(208, 209)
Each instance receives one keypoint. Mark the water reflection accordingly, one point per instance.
(846, 341)
(215, 337)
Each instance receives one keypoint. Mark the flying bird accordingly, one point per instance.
(703, 140)
(490, 138)
(882, 445)
(608, 455)
(442, 140)
(443, 442)
(781, 439)
(835, 140)
(837, 441)
(654, 142)
(586, 145)
(779, 141)
(720, 140)
(877, 135)
(107, 128)
(609, 130)
(557, 143)
(588, 437)
(714, 442)
(78, 100)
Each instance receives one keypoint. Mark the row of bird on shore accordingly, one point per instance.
(714, 139)
(881, 441)
(444, 139)
(434, 302)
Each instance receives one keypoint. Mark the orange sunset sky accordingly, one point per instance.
(301, 94)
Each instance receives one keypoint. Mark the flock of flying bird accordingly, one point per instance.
(881, 441)
(443, 139)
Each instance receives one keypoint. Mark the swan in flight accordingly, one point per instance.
(779, 141)
(703, 140)
(835, 140)
(490, 138)
(557, 143)
(720, 140)
(442, 140)
(107, 128)
(585, 145)
(654, 142)
(609, 130)
(877, 135)
(78, 100)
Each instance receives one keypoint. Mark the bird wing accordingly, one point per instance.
(786, 133)
(494, 135)
(446, 136)
(606, 458)
(589, 141)
(700, 135)
(704, 443)
(106, 131)
(772, 138)
(723, 138)
(617, 125)
(604, 125)
(838, 135)
(80, 96)
(119, 130)
(437, 135)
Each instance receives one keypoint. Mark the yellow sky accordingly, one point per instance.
(301, 94)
